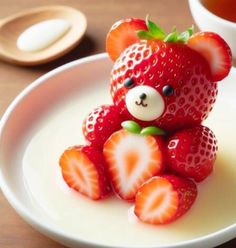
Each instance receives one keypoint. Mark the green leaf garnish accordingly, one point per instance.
(152, 130)
(155, 32)
(172, 37)
(190, 30)
(184, 36)
(131, 126)
(144, 35)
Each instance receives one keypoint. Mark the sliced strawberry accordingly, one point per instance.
(131, 160)
(100, 124)
(83, 170)
(163, 199)
(215, 50)
(123, 34)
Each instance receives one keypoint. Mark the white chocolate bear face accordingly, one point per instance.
(144, 103)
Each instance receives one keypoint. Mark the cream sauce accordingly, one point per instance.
(41, 35)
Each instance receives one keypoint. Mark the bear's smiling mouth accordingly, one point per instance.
(141, 103)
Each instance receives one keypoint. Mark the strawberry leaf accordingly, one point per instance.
(172, 37)
(144, 35)
(152, 130)
(184, 36)
(154, 30)
(190, 30)
(131, 126)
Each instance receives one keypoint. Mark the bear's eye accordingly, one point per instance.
(129, 83)
(168, 90)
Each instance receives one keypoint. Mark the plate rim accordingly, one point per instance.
(54, 232)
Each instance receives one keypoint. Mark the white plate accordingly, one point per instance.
(47, 117)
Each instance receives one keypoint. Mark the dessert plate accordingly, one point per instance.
(47, 117)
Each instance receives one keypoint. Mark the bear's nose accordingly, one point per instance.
(143, 96)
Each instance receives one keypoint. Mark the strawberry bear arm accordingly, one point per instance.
(192, 152)
(100, 124)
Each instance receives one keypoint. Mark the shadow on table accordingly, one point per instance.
(85, 48)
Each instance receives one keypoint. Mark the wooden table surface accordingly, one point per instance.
(14, 232)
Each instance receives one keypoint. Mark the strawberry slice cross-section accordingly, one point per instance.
(163, 199)
(215, 50)
(83, 170)
(123, 34)
(131, 160)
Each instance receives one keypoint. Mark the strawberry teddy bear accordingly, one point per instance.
(150, 146)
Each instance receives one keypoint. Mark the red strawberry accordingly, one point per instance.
(192, 152)
(122, 34)
(83, 170)
(159, 64)
(100, 124)
(215, 50)
(163, 199)
(181, 75)
(131, 160)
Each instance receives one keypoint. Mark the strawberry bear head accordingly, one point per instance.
(168, 81)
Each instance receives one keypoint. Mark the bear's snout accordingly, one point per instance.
(144, 103)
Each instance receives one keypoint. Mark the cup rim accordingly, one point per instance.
(212, 15)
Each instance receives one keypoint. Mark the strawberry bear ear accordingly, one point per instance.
(122, 34)
(215, 50)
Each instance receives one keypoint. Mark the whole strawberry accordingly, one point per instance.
(192, 152)
(100, 124)
(169, 80)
